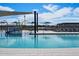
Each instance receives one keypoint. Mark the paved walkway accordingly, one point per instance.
(54, 33)
(39, 52)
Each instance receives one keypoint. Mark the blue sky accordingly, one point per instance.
(31, 6)
(52, 12)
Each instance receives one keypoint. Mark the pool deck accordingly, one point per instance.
(39, 52)
(41, 32)
(54, 33)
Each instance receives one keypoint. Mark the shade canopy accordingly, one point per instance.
(8, 13)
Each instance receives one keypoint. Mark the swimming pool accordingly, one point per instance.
(40, 41)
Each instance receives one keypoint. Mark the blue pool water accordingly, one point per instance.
(40, 41)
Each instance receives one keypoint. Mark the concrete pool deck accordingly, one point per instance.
(53, 33)
(41, 32)
(39, 52)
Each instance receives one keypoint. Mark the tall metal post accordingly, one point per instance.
(35, 29)
(34, 22)
(37, 22)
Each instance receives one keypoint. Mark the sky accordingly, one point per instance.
(48, 12)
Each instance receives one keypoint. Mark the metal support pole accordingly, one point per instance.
(34, 22)
(37, 22)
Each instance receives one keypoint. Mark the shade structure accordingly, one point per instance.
(8, 13)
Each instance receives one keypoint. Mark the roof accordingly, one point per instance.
(8, 13)
(67, 23)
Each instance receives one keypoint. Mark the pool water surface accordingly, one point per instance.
(40, 41)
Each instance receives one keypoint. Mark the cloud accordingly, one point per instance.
(55, 12)
(76, 11)
(51, 8)
(59, 13)
(4, 8)
(63, 12)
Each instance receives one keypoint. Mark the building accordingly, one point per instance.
(67, 27)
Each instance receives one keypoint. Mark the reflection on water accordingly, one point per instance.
(35, 41)
(39, 41)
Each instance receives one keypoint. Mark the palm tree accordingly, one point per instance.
(46, 24)
(31, 23)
